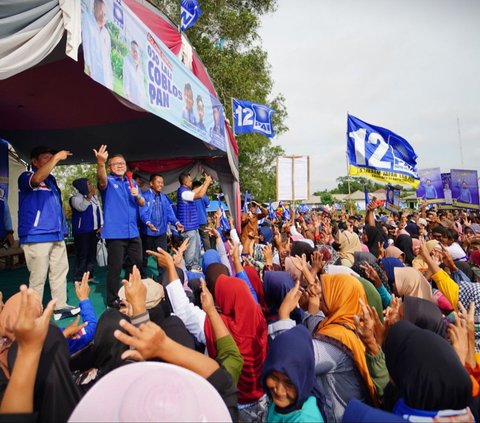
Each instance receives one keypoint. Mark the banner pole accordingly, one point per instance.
(233, 118)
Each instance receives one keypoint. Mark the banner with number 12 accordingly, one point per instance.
(252, 117)
(380, 154)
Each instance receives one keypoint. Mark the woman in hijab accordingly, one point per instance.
(277, 285)
(425, 315)
(257, 284)
(340, 359)
(55, 393)
(289, 379)
(404, 243)
(389, 264)
(394, 252)
(409, 281)
(428, 374)
(373, 239)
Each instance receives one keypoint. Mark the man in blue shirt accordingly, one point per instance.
(155, 216)
(42, 228)
(188, 217)
(202, 204)
(121, 199)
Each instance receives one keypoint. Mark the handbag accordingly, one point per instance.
(102, 254)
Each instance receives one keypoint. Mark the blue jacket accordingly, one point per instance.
(158, 211)
(186, 211)
(40, 212)
(202, 204)
(88, 315)
(120, 209)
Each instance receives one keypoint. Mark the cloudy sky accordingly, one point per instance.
(412, 66)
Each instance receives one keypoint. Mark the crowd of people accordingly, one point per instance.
(301, 316)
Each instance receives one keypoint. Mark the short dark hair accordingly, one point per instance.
(196, 184)
(182, 177)
(155, 175)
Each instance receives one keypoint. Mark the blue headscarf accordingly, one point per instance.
(298, 365)
(276, 285)
(389, 263)
(210, 256)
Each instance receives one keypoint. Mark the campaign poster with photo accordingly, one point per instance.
(392, 199)
(447, 188)
(124, 55)
(430, 188)
(464, 188)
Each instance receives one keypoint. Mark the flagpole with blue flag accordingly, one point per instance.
(224, 223)
(252, 117)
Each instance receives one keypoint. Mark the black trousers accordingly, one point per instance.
(152, 243)
(120, 251)
(206, 240)
(86, 254)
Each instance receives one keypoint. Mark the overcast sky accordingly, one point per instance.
(412, 66)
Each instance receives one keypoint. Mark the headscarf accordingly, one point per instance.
(390, 263)
(425, 315)
(410, 281)
(373, 297)
(363, 256)
(55, 394)
(404, 243)
(212, 273)
(246, 323)
(8, 320)
(394, 252)
(277, 285)
(298, 365)
(419, 262)
(475, 258)
(292, 270)
(210, 256)
(257, 285)
(381, 274)
(341, 294)
(299, 248)
(466, 268)
(412, 229)
(426, 369)
(81, 184)
(374, 237)
(107, 349)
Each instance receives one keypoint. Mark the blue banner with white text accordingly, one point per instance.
(124, 55)
(252, 117)
(380, 154)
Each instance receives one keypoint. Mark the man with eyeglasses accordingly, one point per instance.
(121, 199)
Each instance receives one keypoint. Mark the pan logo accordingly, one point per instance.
(118, 13)
(262, 119)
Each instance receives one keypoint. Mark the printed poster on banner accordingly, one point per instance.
(380, 154)
(464, 188)
(447, 188)
(392, 199)
(124, 55)
(431, 187)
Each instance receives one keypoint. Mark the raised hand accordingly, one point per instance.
(73, 329)
(135, 291)
(62, 155)
(365, 328)
(81, 288)
(101, 155)
(206, 298)
(30, 332)
(290, 302)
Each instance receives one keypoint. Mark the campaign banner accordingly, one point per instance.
(447, 188)
(464, 188)
(392, 199)
(124, 55)
(252, 117)
(3, 170)
(380, 154)
(430, 188)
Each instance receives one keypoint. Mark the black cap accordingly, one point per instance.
(41, 149)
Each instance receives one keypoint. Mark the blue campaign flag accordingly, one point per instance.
(380, 154)
(246, 200)
(271, 211)
(367, 200)
(252, 117)
(189, 13)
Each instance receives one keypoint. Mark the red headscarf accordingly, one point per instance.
(246, 323)
(257, 284)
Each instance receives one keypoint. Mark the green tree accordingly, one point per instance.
(356, 184)
(226, 38)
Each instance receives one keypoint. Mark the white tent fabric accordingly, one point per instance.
(30, 30)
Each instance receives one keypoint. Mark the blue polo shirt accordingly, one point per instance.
(120, 210)
(202, 204)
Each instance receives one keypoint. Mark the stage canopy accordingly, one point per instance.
(47, 99)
